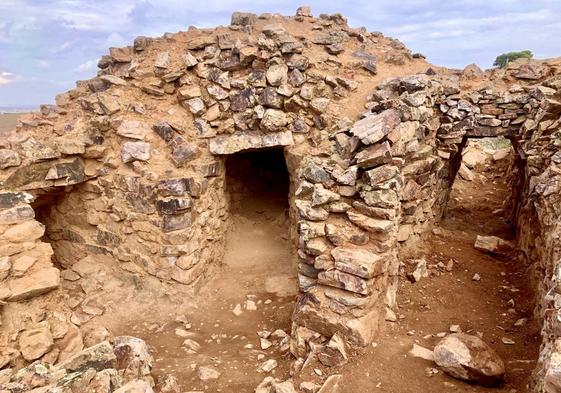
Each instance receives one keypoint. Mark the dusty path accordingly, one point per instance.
(489, 307)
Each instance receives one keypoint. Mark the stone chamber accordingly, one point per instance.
(340, 136)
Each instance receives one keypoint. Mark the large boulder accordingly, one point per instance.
(470, 359)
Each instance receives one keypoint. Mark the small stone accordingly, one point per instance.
(521, 322)
(493, 245)
(189, 60)
(476, 277)
(136, 386)
(421, 352)
(206, 373)
(331, 384)
(390, 315)
(305, 11)
(267, 366)
(9, 158)
(132, 151)
(265, 344)
(274, 120)
(276, 74)
(162, 60)
(243, 19)
(196, 106)
(34, 284)
(309, 387)
(284, 387)
(507, 341)
(237, 310)
(455, 328)
(34, 343)
(419, 272)
(250, 305)
(133, 129)
(334, 353)
(191, 345)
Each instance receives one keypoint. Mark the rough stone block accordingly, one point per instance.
(34, 284)
(348, 282)
(374, 155)
(229, 144)
(357, 261)
(373, 128)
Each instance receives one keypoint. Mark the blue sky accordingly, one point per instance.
(46, 45)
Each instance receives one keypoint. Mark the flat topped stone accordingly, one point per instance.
(373, 128)
(34, 284)
(229, 144)
(357, 261)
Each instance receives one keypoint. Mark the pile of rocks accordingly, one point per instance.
(122, 367)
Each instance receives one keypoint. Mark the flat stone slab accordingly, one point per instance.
(230, 144)
(33, 284)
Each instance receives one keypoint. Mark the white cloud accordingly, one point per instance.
(89, 65)
(6, 77)
(43, 64)
(115, 39)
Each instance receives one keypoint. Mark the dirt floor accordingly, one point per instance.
(489, 307)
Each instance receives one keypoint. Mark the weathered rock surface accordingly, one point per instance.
(468, 358)
(229, 144)
(493, 245)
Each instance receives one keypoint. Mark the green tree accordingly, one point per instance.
(502, 60)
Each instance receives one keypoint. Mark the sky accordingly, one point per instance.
(46, 45)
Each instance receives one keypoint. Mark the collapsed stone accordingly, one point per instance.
(468, 358)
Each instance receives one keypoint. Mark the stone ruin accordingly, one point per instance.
(131, 165)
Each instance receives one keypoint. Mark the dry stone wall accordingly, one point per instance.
(134, 159)
(528, 115)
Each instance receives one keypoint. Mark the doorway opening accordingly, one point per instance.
(257, 182)
(63, 216)
(484, 190)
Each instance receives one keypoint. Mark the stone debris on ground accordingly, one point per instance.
(493, 245)
(470, 359)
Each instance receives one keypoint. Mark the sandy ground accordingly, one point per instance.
(8, 122)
